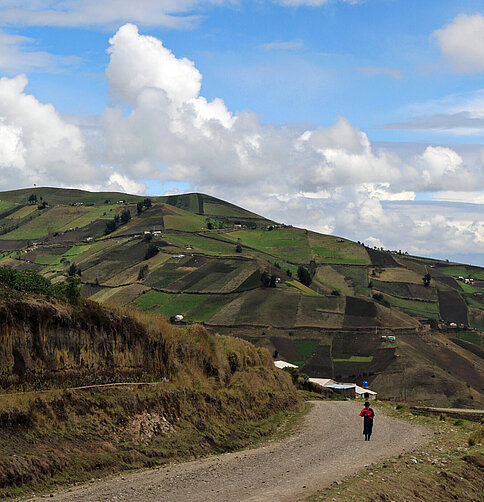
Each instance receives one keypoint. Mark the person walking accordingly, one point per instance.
(368, 415)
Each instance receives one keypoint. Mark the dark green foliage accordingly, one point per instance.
(125, 216)
(148, 237)
(143, 272)
(43, 205)
(32, 199)
(426, 280)
(151, 251)
(29, 281)
(268, 281)
(139, 207)
(110, 227)
(74, 270)
(381, 299)
(304, 276)
(289, 273)
(238, 248)
(147, 203)
(296, 375)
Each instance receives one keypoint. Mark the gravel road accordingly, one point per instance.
(328, 447)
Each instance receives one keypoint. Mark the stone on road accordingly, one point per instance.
(328, 447)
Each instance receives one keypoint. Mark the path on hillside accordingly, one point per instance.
(328, 447)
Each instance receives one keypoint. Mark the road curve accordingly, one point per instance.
(328, 447)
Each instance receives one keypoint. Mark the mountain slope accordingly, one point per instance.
(203, 258)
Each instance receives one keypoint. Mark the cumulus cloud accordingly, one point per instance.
(462, 43)
(159, 128)
(38, 146)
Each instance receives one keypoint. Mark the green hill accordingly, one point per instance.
(206, 259)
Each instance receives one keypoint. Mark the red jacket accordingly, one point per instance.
(367, 413)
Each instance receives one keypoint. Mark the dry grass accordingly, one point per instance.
(201, 394)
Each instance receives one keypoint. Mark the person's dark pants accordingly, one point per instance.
(367, 429)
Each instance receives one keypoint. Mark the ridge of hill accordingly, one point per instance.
(206, 259)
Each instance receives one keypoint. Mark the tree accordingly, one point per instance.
(289, 273)
(33, 199)
(147, 203)
(209, 225)
(151, 251)
(73, 289)
(147, 238)
(238, 248)
(304, 276)
(125, 216)
(143, 272)
(426, 280)
(110, 227)
(139, 207)
(74, 270)
(272, 281)
(265, 279)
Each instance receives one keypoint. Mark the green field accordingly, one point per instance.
(356, 277)
(202, 244)
(330, 249)
(193, 307)
(5, 206)
(50, 221)
(414, 307)
(462, 270)
(289, 244)
(307, 347)
(472, 336)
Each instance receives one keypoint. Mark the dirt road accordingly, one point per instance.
(328, 447)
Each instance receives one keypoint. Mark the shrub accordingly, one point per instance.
(143, 272)
(304, 276)
(151, 251)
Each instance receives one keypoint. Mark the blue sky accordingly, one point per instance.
(336, 110)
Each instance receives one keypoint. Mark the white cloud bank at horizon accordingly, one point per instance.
(160, 128)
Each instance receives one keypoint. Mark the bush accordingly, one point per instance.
(304, 276)
(29, 281)
(151, 251)
(143, 272)
(238, 248)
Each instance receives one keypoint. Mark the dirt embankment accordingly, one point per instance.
(214, 393)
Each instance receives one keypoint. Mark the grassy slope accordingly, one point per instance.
(342, 266)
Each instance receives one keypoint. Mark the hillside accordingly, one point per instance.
(68, 411)
(203, 258)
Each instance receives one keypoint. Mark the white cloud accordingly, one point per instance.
(173, 134)
(290, 45)
(38, 146)
(110, 14)
(17, 54)
(462, 43)
(159, 127)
